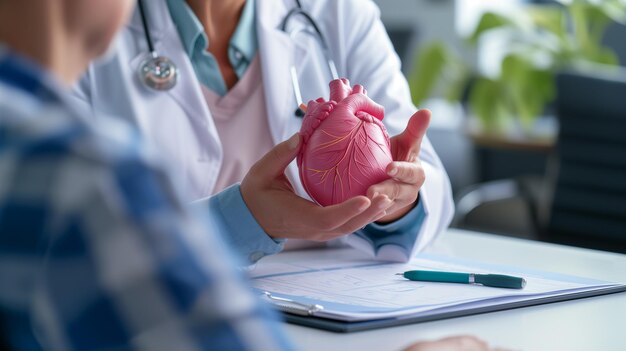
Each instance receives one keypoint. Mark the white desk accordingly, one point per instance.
(597, 323)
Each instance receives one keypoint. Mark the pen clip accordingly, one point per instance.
(291, 306)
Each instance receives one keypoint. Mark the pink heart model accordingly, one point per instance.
(345, 148)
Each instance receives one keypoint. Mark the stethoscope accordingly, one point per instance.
(160, 73)
(316, 33)
(155, 72)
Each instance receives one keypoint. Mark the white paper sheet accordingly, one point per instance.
(352, 288)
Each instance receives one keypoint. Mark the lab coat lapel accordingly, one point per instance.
(187, 92)
(278, 53)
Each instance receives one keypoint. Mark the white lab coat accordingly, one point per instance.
(180, 125)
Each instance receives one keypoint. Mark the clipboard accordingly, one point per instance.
(309, 293)
(349, 327)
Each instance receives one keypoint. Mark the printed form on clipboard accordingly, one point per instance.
(342, 285)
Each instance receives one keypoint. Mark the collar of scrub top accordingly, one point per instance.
(243, 45)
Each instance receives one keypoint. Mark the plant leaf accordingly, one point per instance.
(485, 101)
(614, 9)
(528, 88)
(550, 18)
(604, 56)
(489, 21)
(428, 68)
(457, 85)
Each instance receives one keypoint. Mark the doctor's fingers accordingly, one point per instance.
(413, 134)
(401, 194)
(376, 210)
(283, 214)
(380, 208)
(407, 172)
(333, 217)
(454, 343)
(273, 163)
(326, 219)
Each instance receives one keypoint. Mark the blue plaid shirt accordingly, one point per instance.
(97, 251)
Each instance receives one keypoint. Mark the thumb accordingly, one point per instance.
(415, 130)
(277, 159)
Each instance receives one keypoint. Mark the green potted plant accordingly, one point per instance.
(543, 40)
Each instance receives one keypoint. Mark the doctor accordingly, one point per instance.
(242, 68)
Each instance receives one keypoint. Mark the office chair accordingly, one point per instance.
(4, 344)
(581, 200)
(503, 206)
(589, 200)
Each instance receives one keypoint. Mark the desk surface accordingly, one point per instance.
(597, 323)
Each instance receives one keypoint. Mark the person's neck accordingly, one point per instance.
(42, 38)
(219, 19)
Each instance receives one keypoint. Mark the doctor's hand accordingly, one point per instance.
(283, 214)
(454, 343)
(406, 172)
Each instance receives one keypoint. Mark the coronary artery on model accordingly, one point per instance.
(346, 148)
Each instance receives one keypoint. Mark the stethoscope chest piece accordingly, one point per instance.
(158, 73)
(155, 71)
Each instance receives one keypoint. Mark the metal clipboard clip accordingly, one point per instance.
(291, 306)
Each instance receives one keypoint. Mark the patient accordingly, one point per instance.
(97, 251)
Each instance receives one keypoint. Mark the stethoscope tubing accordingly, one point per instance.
(151, 70)
(146, 29)
(316, 33)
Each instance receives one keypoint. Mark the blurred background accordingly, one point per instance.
(529, 111)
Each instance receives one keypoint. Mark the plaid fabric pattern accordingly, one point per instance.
(97, 251)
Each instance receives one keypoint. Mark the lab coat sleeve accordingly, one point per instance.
(398, 237)
(244, 233)
(368, 58)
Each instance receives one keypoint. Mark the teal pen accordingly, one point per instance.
(492, 280)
